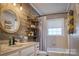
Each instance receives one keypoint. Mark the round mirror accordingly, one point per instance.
(9, 21)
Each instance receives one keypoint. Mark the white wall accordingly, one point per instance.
(74, 38)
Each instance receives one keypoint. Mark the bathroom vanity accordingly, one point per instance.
(20, 49)
(15, 24)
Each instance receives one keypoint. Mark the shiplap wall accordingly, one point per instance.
(27, 11)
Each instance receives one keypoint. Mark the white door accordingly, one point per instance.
(56, 33)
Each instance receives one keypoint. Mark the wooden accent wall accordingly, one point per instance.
(27, 11)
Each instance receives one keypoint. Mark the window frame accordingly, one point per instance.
(62, 28)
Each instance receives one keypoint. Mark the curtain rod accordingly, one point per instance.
(52, 14)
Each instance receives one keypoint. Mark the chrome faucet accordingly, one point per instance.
(12, 40)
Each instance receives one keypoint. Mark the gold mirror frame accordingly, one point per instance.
(17, 20)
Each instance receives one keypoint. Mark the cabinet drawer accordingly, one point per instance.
(27, 51)
(14, 54)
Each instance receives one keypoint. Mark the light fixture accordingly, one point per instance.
(20, 6)
(14, 4)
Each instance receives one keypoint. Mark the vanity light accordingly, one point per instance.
(20, 6)
(14, 4)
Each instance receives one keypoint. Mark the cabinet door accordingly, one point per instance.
(27, 51)
(14, 54)
(37, 49)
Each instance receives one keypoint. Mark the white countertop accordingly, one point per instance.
(5, 49)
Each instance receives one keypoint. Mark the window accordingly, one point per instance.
(55, 26)
(55, 31)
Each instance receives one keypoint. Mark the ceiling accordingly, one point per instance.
(50, 8)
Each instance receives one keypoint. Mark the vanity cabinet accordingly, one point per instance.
(27, 51)
(24, 52)
(21, 49)
(36, 49)
(31, 51)
(14, 54)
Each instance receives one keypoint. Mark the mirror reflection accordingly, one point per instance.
(9, 21)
